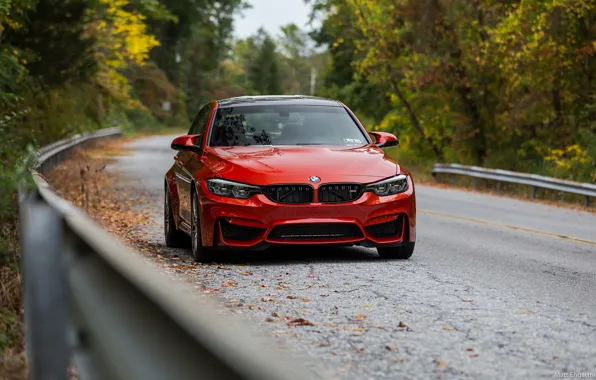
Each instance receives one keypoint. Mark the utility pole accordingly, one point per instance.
(313, 81)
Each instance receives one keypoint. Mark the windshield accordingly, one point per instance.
(285, 125)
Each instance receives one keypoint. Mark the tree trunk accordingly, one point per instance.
(414, 119)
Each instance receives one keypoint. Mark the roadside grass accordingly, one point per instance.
(83, 181)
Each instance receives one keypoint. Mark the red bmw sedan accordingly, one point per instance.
(255, 172)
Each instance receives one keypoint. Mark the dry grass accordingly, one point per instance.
(83, 180)
(12, 361)
(13, 365)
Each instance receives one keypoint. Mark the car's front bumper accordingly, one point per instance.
(258, 222)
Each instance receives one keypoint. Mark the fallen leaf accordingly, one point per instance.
(305, 300)
(246, 273)
(291, 297)
(526, 312)
(360, 329)
(391, 347)
(441, 364)
(300, 322)
(355, 334)
(556, 357)
(269, 319)
(448, 329)
(276, 314)
(330, 324)
(229, 284)
(296, 335)
(361, 316)
(264, 286)
(474, 355)
(469, 349)
(467, 300)
(234, 301)
(402, 324)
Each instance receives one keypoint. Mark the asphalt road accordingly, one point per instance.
(496, 288)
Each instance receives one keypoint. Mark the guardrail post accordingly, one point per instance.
(534, 190)
(44, 289)
(498, 186)
(473, 182)
(453, 179)
(587, 201)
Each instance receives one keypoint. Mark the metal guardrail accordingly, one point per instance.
(536, 181)
(92, 302)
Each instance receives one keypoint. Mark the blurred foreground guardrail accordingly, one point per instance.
(92, 302)
(536, 181)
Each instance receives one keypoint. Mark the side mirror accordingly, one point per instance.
(384, 139)
(187, 143)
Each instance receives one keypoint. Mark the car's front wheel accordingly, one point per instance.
(199, 252)
(174, 237)
(403, 252)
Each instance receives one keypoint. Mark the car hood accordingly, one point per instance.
(264, 165)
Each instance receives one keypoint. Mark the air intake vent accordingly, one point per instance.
(290, 194)
(316, 231)
(238, 233)
(386, 230)
(339, 193)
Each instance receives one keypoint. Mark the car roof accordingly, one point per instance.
(300, 100)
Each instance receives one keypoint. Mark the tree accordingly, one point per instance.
(296, 56)
(54, 40)
(264, 71)
(122, 42)
(507, 84)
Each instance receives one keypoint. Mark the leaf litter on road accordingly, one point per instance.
(300, 322)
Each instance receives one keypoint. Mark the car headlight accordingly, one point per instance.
(231, 189)
(389, 186)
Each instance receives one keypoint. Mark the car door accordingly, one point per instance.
(187, 163)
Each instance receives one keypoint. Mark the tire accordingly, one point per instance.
(198, 251)
(174, 237)
(403, 252)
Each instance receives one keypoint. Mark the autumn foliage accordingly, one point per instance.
(507, 85)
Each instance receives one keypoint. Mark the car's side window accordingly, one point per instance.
(200, 122)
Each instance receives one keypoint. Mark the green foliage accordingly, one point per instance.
(10, 328)
(54, 42)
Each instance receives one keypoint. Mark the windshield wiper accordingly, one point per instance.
(309, 144)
